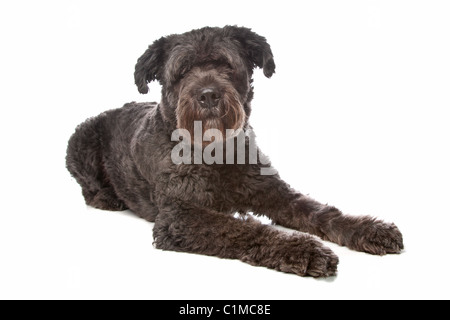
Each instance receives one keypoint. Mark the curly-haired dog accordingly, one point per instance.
(123, 159)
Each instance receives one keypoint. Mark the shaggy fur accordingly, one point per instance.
(122, 160)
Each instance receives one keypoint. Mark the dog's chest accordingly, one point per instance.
(220, 187)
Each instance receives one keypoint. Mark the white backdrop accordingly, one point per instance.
(357, 115)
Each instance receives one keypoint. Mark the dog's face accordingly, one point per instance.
(206, 76)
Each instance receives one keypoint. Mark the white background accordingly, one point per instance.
(357, 116)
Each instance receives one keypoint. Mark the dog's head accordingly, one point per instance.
(206, 75)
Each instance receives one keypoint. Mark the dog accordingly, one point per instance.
(124, 159)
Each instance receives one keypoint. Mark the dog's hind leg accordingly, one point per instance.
(104, 199)
(204, 231)
(85, 162)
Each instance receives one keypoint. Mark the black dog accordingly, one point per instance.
(123, 159)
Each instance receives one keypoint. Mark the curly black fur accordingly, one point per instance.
(122, 160)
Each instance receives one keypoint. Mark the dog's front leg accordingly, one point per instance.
(275, 199)
(204, 231)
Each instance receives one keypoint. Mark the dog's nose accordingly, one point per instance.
(209, 97)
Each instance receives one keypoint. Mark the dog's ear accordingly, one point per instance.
(150, 65)
(255, 47)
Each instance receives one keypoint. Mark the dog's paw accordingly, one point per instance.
(309, 258)
(379, 238)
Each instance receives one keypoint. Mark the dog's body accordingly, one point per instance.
(123, 159)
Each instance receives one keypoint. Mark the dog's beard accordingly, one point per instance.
(228, 117)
